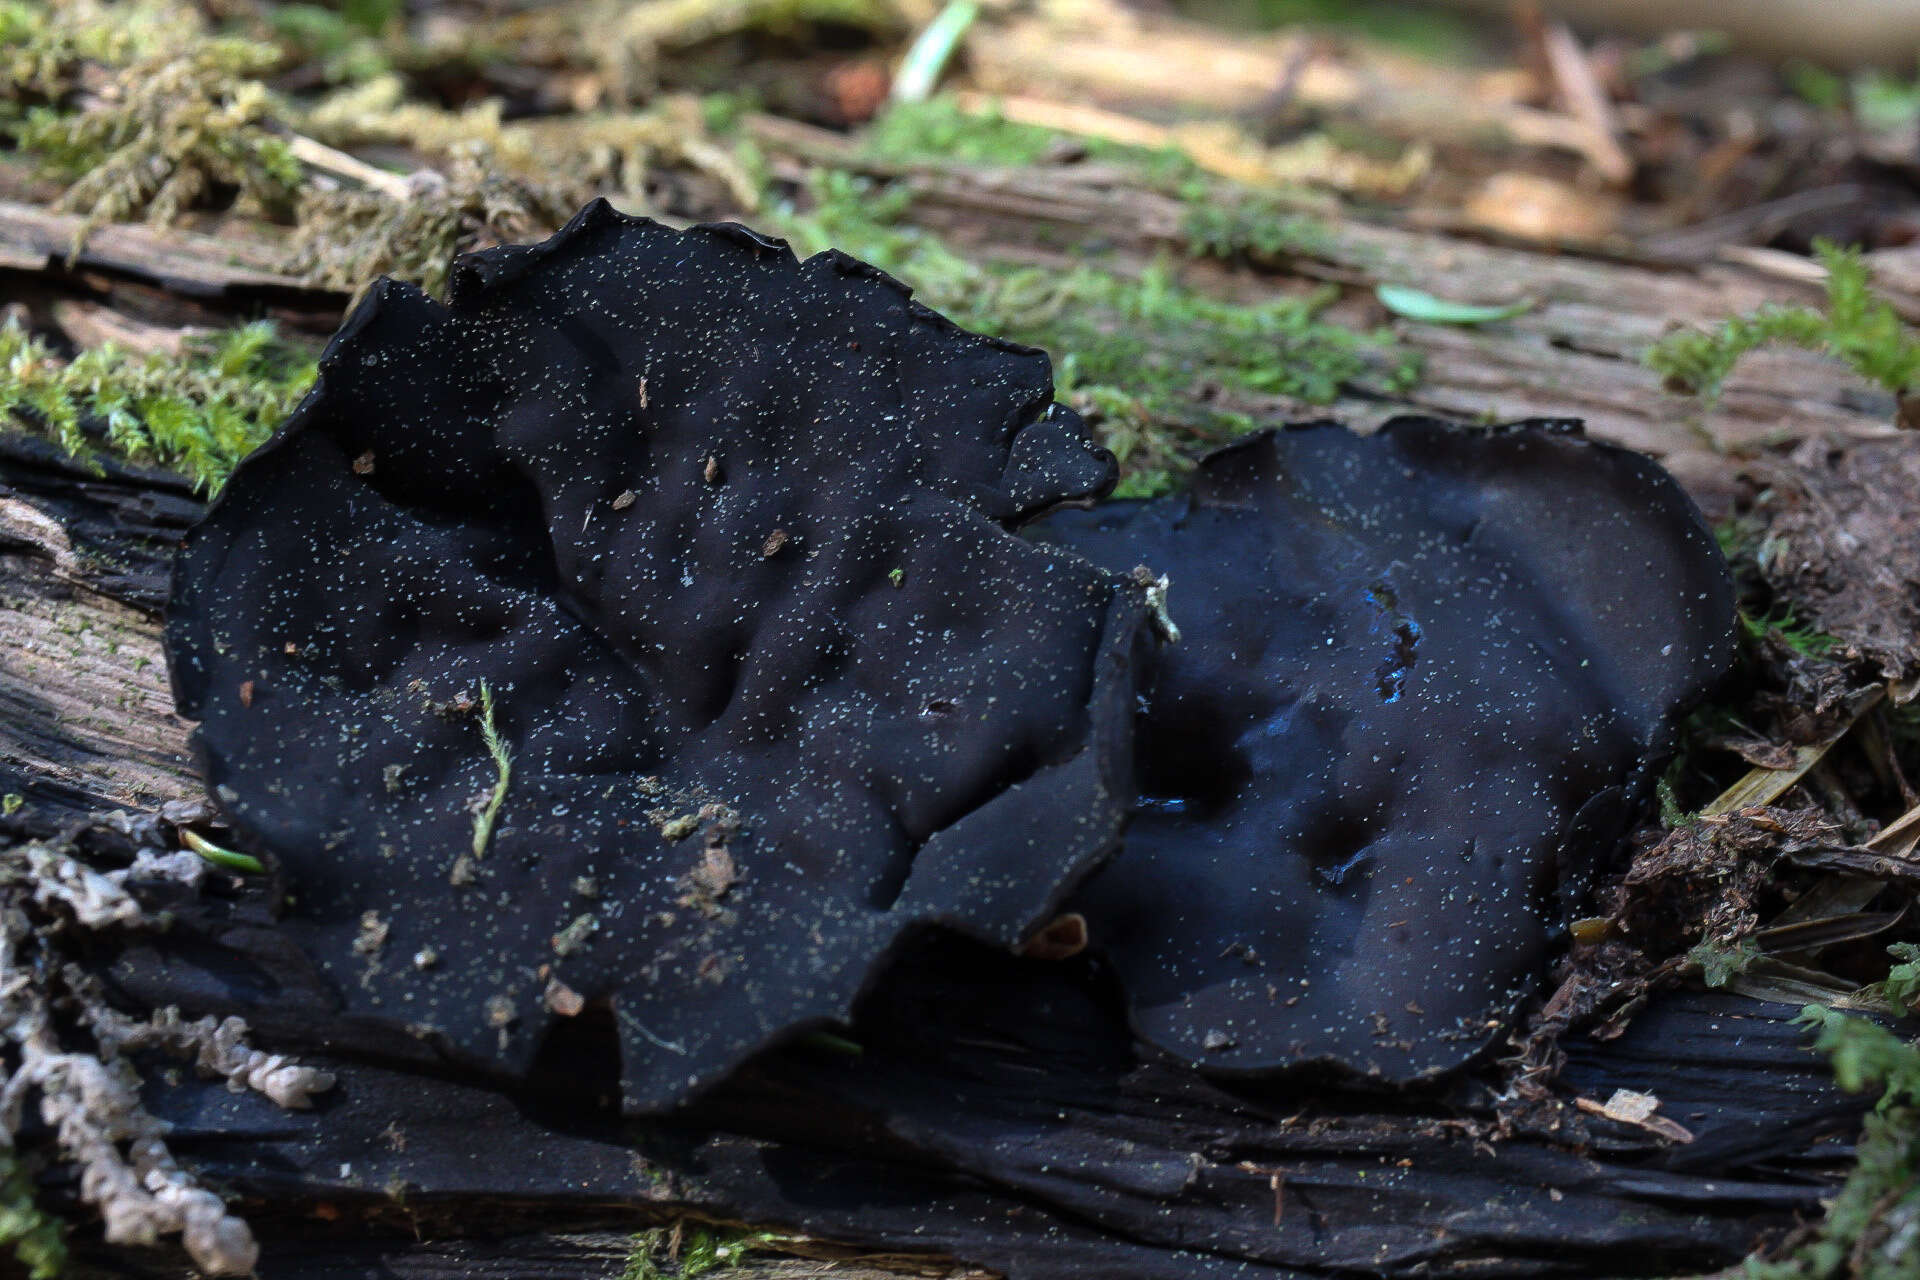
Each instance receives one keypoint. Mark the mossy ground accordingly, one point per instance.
(1164, 370)
(198, 413)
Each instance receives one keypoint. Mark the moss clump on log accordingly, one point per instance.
(198, 413)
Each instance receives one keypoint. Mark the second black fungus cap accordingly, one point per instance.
(1423, 682)
(643, 630)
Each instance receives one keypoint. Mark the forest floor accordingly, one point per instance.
(1210, 225)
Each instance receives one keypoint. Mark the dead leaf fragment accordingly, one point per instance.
(563, 999)
(1530, 207)
(1061, 938)
(1627, 1106)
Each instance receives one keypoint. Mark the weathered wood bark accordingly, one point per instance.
(997, 1111)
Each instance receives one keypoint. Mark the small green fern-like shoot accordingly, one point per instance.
(1858, 327)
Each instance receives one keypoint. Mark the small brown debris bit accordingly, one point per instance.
(373, 934)
(675, 827)
(246, 693)
(363, 465)
(722, 823)
(1591, 929)
(291, 649)
(563, 999)
(1061, 938)
(775, 540)
(1638, 1109)
(714, 874)
(643, 393)
(1217, 1041)
(714, 969)
(624, 499)
(575, 935)
(586, 887)
(712, 473)
(460, 704)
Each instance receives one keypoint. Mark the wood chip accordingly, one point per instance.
(1627, 1106)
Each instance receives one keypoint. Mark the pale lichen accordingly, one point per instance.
(65, 1049)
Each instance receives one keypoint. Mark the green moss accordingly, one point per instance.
(1262, 228)
(1719, 963)
(1857, 327)
(938, 130)
(43, 46)
(1417, 29)
(1784, 625)
(346, 44)
(198, 413)
(1878, 100)
(700, 1250)
(1899, 991)
(182, 115)
(347, 238)
(36, 1239)
(1872, 1227)
(1148, 359)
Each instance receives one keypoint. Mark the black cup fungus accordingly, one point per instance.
(643, 635)
(643, 629)
(1424, 681)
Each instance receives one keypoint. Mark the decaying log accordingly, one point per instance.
(986, 1108)
(191, 274)
(86, 718)
(1578, 351)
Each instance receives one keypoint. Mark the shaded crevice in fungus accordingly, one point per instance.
(1423, 682)
(538, 525)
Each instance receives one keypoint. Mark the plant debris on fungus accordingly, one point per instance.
(664, 562)
(1424, 683)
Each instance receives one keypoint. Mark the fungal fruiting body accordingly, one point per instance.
(643, 638)
(1423, 681)
(661, 565)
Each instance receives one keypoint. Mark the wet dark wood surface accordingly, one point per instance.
(996, 1110)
